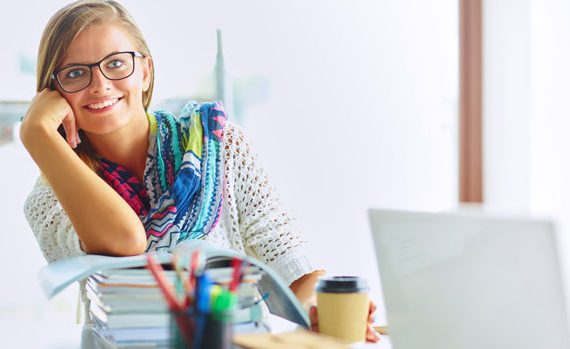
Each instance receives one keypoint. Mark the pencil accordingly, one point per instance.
(194, 261)
(383, 330)
(184, 281)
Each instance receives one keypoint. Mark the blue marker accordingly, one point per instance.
(203, 286)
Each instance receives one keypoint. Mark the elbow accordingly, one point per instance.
(126, 244)
(133, 243)
(133, 247)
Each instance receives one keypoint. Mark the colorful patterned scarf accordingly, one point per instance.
(181, 197)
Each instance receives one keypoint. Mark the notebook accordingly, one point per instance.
(456, 280)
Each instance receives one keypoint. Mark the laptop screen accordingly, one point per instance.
(454, 280)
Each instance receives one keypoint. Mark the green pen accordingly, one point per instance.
(224, 303)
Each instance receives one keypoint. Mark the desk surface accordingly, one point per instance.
(46, 325)
(90, 341)
(49, 327)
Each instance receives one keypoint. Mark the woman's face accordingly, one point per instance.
(106, 106)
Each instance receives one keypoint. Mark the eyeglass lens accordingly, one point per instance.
(78, 77)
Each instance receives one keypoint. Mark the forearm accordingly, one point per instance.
(104, 222)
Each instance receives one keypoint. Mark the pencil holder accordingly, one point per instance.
(195, 330)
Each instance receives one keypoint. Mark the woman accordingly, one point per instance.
(118, 180)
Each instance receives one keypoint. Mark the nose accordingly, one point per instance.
(99, 83)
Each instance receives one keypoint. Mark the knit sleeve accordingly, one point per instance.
(50, 224)
(267, 229)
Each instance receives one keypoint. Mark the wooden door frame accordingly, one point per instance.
(470, 101)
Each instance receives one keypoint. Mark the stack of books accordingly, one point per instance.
(128, 310)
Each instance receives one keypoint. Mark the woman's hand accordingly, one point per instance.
(304, 287)
(371, 334)
(50, 110)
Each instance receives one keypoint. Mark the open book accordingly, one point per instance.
(58, 275)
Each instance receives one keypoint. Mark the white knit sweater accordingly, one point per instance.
(253, 220)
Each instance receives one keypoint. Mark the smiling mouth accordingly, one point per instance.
(104, 104)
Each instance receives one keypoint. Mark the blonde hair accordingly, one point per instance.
(63, 28)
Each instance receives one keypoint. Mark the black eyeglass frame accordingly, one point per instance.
(96, 64)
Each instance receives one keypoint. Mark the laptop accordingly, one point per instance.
(462, 281)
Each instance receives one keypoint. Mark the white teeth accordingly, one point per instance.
(103, 104)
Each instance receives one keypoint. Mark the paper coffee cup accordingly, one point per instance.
(342, 307)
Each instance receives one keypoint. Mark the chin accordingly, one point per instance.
(108, 121)
(104, 126)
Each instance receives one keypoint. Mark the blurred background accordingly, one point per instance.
(349, 105)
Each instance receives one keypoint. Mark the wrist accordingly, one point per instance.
(32, 133)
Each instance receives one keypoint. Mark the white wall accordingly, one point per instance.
(526, 111)
(506, 104)
(362, 113)
(550, 123)
(368, 118)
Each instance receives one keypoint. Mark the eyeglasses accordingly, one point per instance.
(116, 66)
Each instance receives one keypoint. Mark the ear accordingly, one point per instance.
(147, 72)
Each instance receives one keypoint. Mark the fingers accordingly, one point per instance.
(67, 128)
(371, 312)
(314, 318)
(371, 335)
(49, 108)
(70, 131)
(70, 125)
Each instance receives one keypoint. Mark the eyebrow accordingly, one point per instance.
(73, 64)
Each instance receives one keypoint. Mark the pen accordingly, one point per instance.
(215, 292)
(381, 329)
(257, 301)
(225, 302)
(203, 286)
(176, 308)
(158, 273)
(194, 261)
(236, 264)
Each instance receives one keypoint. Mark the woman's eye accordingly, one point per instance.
(74, 73)
(116, 63)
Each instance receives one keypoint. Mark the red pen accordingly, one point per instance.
(167, 292)
(236, 276)
(182, 321)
